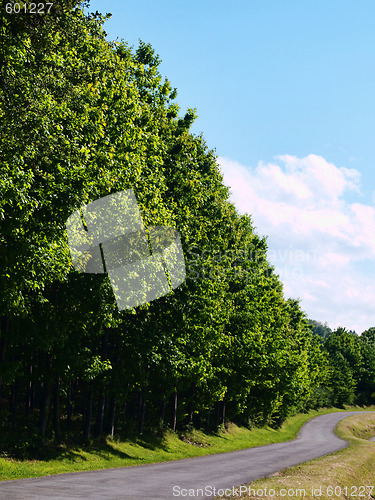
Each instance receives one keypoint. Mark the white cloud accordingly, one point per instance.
(322, 245)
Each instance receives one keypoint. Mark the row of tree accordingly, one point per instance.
(81, 118)
(350, 367)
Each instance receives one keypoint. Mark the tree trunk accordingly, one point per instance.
(56, 407)
(29, 392)
(100, 415)
(88, 415)
(102, 399)
(44, 408)
(69, 406)
(72, 391)
(112, 416)
(142, 409)
(174, 410)
(163, 404)
(208, 420)
(218, 414)
(223, 407)
(191, 406)
(124, 406)
(14, 400)
(114, 391)
(3, 346)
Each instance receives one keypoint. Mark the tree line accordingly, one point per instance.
(81, 118)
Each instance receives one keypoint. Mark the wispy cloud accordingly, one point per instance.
(321, 244)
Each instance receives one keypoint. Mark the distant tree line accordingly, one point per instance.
(81, 118)
(350, 366)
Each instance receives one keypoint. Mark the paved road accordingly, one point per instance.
(166, 480)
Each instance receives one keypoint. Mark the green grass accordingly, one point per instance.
(109, 453)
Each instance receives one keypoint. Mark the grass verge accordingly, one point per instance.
(348, 473)
(110, 453)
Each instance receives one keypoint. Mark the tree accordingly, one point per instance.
(83, 118)
(345, 358)
(318, 328)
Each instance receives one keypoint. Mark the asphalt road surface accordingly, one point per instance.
(181, 478)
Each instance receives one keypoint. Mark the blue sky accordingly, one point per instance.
(284, 92)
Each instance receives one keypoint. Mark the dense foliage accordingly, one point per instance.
(81, 118)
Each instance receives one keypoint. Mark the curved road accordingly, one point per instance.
(166, 480)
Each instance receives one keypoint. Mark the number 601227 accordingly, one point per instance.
(28, 8)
